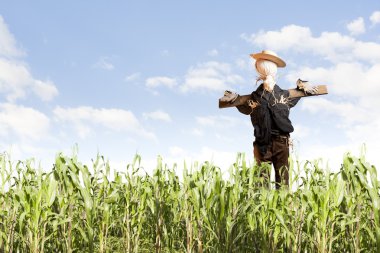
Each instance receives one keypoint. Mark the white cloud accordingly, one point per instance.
(356, 26)
(8, 44)
(332, 46)
(210, 76)
(21, 150)
(358, 122)
(86, 118)
(158, 115)
(375, 18)
(350, 112)
(104, 63)
(330, 155)
(353, 102)
(363, 133)
(355, 68)
(15, 77)
(45, 90)
(221, 158)
(24, 122)
(16, 80)
(345, 79)
(155, 82)
(292, 36)
(352, 79)
(132, 77)
(333, 154)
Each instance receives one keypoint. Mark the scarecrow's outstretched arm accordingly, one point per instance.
(293, 93)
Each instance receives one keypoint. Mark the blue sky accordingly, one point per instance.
(127, 77)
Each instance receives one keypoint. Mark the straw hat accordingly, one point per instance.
(270, 56)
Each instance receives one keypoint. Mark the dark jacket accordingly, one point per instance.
(271, 116)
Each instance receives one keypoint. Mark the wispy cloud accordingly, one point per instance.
(132, 77)
(45, 90)
(210, 76)
(158, 115)
(85, 119)
(104, 63)
(160, 81)
(8, 44)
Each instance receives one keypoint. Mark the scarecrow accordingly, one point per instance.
(269, 108)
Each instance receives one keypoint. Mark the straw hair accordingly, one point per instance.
(270, 56)
(267, 71)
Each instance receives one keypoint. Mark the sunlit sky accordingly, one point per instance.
(124, 77)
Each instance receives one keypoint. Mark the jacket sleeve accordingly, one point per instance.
(245, 109)
(293, 101)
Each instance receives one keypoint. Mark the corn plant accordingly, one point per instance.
(76, 207)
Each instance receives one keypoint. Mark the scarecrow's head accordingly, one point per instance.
(266, 66)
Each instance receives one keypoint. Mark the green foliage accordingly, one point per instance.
(76, 208)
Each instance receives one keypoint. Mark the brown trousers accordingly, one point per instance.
(278, 155)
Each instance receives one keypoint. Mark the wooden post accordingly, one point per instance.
(293, 93)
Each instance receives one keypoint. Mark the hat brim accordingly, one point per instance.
(279, 62)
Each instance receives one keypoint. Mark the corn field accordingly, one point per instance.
(78, 208)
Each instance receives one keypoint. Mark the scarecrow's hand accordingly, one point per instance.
(306, 87)
(229, 96)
